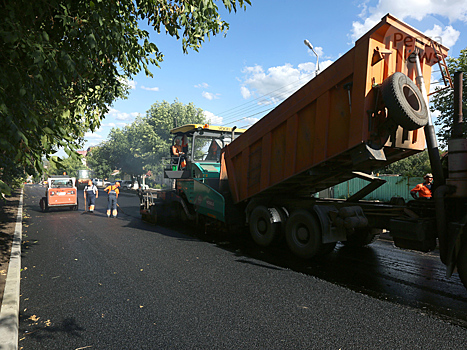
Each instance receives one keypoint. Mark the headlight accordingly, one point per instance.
(52, 193)
(71, 192)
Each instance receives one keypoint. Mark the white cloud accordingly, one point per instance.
(277, 83)
(245, 92)
(202, 86)
(210, 95)
(93, 136)
(149, 88)
(212, 118)
(122, 115)
(110, 125)
(447, 36)
(453, 10)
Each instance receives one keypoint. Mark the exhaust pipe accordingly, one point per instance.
(430, 135)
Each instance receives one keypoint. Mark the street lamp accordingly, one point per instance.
(307, 43)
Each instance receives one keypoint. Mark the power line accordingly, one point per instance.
(252, 106)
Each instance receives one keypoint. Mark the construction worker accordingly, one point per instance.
(177, 151)
(90, 195)
(113, 191)
(423, 189)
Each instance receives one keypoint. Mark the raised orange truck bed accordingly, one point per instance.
(339, 122)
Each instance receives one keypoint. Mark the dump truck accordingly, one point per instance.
(365, 111)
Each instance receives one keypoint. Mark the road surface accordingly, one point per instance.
(90, 282)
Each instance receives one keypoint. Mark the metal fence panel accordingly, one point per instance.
(395, 186)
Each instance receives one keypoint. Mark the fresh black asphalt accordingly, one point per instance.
(90, 282)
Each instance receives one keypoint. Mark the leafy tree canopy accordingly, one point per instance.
(63, 63)
(444, 100)
(140, 146)
(416, 165)
(69, 165)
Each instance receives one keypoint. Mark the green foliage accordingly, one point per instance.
(63, 63)
(414, 166)
(140, 146)
(444, 100)
(98, 159)
(68, 165)
(160, 119)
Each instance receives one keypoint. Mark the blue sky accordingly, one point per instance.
(236, 79)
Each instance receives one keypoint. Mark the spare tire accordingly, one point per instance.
(404, 101)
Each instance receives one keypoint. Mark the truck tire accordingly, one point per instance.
(404, 101)
(44, 204)
(265, 225)
(303, 234)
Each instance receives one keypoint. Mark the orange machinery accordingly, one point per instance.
(61, 191)
(337, 123)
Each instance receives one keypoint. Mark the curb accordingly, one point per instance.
(9, 313)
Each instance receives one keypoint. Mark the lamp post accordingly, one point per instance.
(307, 43)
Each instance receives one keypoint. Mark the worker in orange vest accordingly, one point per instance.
(177, 151)
(423, 189)
(113, 191)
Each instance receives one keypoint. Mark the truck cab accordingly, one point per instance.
(202, 146)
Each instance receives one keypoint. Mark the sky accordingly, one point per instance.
(236, 79)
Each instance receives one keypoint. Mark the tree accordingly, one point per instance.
(160, 119)
(63, 63)
(69, 165)
(98, 159)
(416, 165)
(444, 101)
(140, 146)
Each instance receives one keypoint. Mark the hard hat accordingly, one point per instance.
(428, 175)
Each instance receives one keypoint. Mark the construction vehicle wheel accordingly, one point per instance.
(404, 101)
(265, 225)
(462, 262)
(44, 205)
(303, 234)
(360, 238)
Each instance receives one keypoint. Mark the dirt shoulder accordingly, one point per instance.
(8, 212)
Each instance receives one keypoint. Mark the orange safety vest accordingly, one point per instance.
(112, 188)
(423, 191)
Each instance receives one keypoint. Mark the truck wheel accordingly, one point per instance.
(265, 225)
(360, 238)
(404, 101)
(44, 205)
(303, 234)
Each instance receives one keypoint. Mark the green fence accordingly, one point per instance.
(395, 186)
